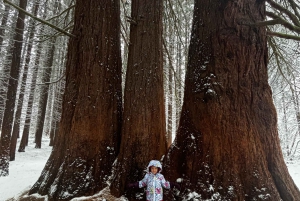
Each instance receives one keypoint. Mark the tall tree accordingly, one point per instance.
(16, 126)
(44, 87)
(143, 127)
(227, 146)
(11, 93)
(3, 24)
(87, 142)
(32, 85)
(43, 99)
(3, 70)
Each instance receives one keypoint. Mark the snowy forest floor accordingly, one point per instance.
(27, 167)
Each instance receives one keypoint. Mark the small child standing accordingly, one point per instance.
(154, 181)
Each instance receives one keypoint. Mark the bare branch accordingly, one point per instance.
(38, 19)
(283, 22)
(53, 82)
(277, 6)
(281, 35)
(294, 7)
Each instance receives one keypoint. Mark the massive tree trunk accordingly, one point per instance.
(227, 146)
(87, 142)
(11, 93)
(143, 128)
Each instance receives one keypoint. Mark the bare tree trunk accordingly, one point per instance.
(3, 24)
(44, 88)
(87, 143)
(11, 94)
(2, 71)
(227, 146)
(28, 118)
(170, 105)
(144, 127)
(16, 127)
(58, 93)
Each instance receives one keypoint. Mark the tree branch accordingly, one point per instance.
(283, 22)
(265, 23)
(40, 20)
(281, 35)
(294, 7)
(277, 6)
(52, 82)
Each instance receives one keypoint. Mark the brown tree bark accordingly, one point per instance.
(227, 146)
(44, 89)
(25, 133)
(87, 142)
(26, 129)
(143, 128)
(16, 126)
(11, 93)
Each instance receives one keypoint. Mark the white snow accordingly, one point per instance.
(27, 167)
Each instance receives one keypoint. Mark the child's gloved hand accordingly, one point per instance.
(175, 184)
(133, 185)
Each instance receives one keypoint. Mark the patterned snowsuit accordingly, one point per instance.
(154, 183)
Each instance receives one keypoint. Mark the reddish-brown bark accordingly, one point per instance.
(227, 146)
(143, 128)
(88, 139)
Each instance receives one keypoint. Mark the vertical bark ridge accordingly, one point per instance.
(227, 139)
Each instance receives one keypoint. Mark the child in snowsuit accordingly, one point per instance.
(154, 181)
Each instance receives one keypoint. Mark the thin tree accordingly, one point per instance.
(32, 85)
(87, 142)
(43, 99)
(4, 22)
(16, 127)
(11, 93)
(227, 146)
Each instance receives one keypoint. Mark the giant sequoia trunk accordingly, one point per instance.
(143, 128)
(227, 146)
(87, 142)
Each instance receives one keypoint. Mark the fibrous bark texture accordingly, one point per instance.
(227, 146)
(143, 127)
(88, 138)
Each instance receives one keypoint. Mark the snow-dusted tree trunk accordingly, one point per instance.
(31, 87)
(8, 20)
(87, 142)
(8, 116)
(58, 90)
(143, 128)
(16, 127)
(3, 24)
(44, 89)
(227, 146)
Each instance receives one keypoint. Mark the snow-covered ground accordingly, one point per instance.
(27, 167)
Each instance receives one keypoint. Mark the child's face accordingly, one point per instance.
(154, 170)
